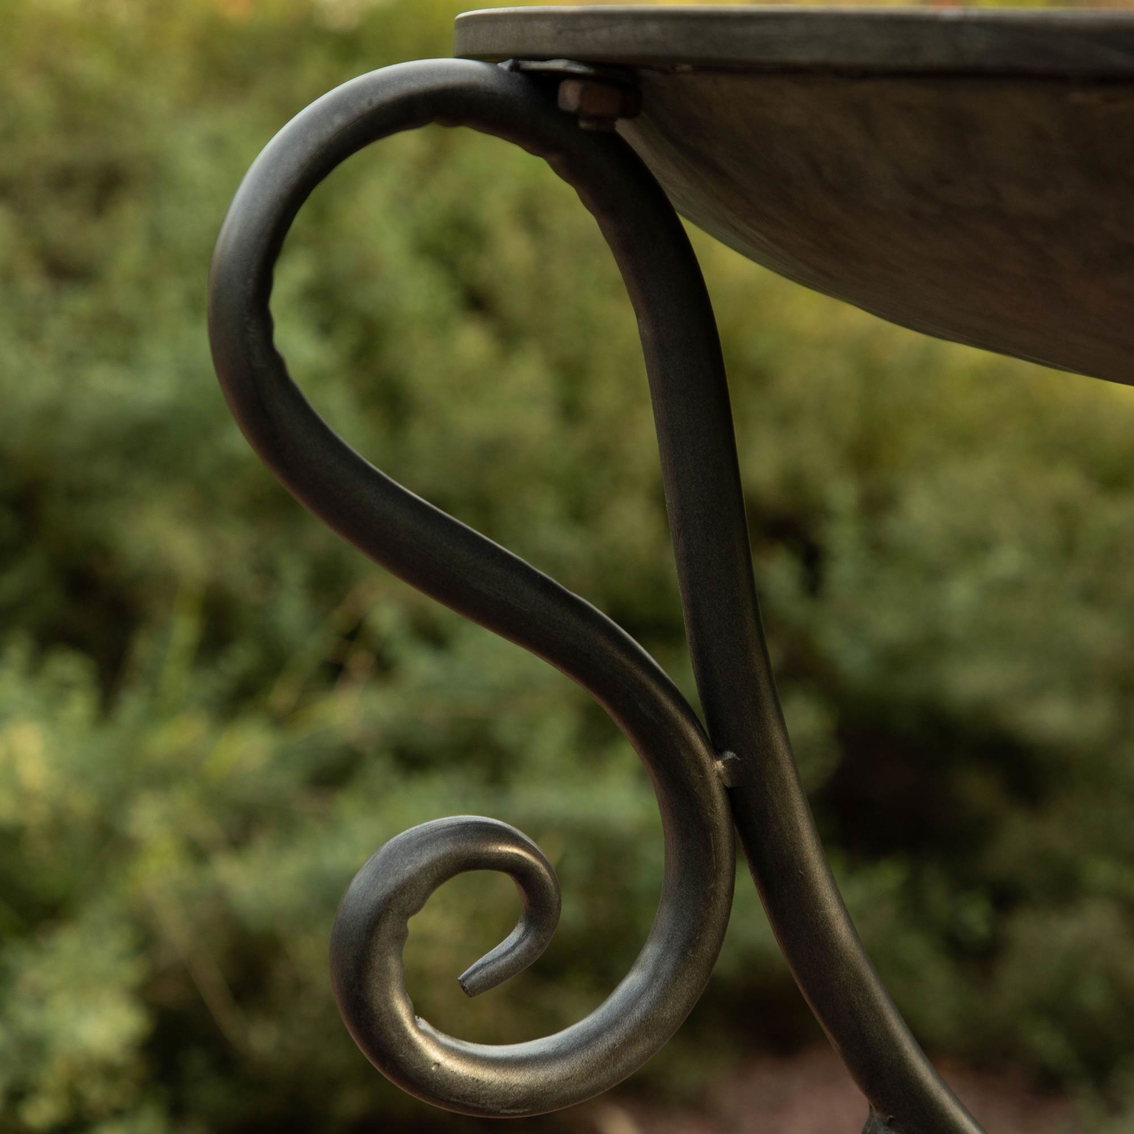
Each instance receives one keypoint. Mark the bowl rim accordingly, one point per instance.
(1042, 42)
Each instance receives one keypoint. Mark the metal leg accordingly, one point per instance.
(749, 751)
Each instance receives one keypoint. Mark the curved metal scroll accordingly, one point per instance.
(479, 579)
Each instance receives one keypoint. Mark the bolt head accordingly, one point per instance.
(597, 101)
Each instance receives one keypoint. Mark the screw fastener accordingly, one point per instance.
(599, 104)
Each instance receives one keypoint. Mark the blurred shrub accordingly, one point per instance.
(211, 711)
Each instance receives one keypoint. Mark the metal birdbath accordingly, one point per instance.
(964, 173)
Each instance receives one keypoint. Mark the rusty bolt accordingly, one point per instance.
(599, 104)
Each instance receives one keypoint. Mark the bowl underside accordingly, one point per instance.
(967, 174)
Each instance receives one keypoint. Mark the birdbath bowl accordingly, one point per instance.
(964, 173)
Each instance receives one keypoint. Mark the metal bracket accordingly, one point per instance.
(474, 576)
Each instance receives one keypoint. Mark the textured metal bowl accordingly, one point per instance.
(966, 173)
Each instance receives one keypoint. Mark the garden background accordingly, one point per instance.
(212, 711)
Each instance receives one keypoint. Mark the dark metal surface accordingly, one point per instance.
(483, 581)
(962, 172)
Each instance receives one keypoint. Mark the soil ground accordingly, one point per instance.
(811, 1093)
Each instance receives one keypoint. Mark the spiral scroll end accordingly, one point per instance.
(475, 980)
(524, 944)
(494, 969)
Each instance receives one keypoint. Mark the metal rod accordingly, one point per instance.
(483, 581)
(734, 677)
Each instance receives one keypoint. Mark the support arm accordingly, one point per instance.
(486, 583)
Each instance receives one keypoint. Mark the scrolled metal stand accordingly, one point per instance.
(745, 775)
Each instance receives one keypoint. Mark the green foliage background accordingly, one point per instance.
(211, 711)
